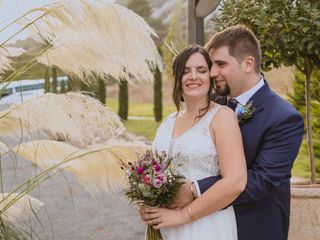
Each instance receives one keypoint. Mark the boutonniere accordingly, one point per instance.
(245, 112)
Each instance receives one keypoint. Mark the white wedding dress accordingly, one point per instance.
(196, 153)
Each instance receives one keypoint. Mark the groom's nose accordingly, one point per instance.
(213, 72)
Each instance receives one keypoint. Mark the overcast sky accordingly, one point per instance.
(12, 9)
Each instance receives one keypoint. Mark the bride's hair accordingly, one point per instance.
(178, 68)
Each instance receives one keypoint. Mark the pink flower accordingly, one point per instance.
(140, 170)
(146, 179)
(161, 176)
(157, 183)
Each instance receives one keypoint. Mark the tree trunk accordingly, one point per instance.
(308, 72)
(123, 99)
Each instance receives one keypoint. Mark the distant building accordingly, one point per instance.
(23, 90)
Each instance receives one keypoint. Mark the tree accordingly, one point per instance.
(143, 9)
(157, 94)
(62, 86)
(289, 33)
(69, 86)
(102, 91)
(54, 79)
(298, 100)
(47, 80)
(176, 37)
(123, 99)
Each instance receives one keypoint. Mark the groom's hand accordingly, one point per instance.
(183, 197)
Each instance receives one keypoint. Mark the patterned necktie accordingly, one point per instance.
(232, 103)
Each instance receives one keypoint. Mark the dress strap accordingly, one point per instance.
(210, 115)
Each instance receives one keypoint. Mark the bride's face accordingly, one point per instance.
(196, 79)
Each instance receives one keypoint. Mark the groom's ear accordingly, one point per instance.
(249, 64)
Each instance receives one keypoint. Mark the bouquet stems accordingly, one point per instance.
(153, 234)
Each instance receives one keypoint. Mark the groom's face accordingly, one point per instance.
(227, 72)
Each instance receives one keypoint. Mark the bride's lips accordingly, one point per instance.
(193, 85)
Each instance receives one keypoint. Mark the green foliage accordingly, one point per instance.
(143, 9)
(123, 99)
(289, 33)
(298, 100)
(176, 37)
(301, 165)
(37, 71)
(54, 79)
(157, 94)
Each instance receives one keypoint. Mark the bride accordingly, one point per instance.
(205, 139)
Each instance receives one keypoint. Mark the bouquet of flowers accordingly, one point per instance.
(153, 181)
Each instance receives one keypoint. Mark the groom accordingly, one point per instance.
(271, 136)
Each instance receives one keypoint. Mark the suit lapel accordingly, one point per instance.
(258, 99)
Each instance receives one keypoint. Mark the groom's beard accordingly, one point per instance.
(223, 90)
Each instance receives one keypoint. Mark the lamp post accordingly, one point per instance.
(197, 11)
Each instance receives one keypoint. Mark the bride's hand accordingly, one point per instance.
(183, 197)
(164, 217)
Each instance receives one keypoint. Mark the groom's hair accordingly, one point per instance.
(241, 43)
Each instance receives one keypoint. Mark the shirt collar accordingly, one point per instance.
(244, 97)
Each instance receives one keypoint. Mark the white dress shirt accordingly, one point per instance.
(244, 97)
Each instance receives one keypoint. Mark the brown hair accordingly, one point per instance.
(178, 68)
(241, 43)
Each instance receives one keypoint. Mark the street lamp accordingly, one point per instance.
(197, 11)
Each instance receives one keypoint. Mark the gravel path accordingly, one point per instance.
(70, 212)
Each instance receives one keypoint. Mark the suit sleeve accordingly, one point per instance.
(273, 163)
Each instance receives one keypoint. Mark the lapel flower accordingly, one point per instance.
(245, 112)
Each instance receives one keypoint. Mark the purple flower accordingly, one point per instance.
(157, 183)
(140, 170)
(161, 177)
(157, 167)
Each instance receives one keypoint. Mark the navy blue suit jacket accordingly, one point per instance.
(271, 138)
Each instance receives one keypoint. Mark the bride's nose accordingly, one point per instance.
(193, 75)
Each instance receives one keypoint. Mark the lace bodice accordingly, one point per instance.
(194, 152)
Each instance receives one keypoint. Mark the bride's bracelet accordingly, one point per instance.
(190, 213)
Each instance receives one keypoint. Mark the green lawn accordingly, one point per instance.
(301, 166)
(148, 127)
(145, 127)
(140, 109)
